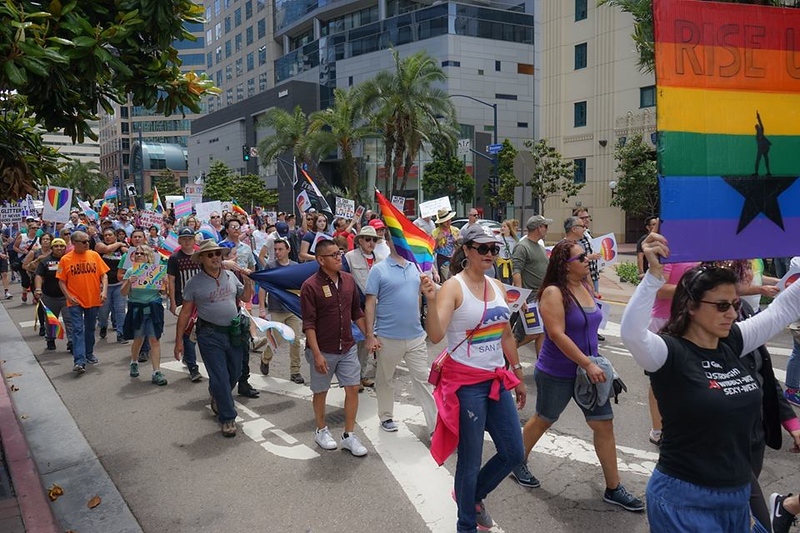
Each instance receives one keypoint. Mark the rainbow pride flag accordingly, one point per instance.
(53, 326)
(158, 206)
(105, 210)
(411, 242)
(236, 208)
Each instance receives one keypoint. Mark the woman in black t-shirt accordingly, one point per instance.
(708, 398)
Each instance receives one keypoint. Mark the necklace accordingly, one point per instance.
(215, 278)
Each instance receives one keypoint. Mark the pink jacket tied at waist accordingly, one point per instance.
(454, 376)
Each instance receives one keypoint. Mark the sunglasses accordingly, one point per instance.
(580, 258)
(215, 253)
(471, 215)
(139, 253)
(334, 255)
(484, 249)
(586, 217)
(215, 216)
(368, 239)
(723, 307)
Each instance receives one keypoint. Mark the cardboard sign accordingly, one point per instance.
(227, 206)
(399, 202)
(359, 212)
(317, 238)
(516, 296)
(606, 246)
(148, 276)
(345, 208)
(303, 201)
(204, 209)
(57, 203)
(16, 211)
(150, 218)
(431, 207)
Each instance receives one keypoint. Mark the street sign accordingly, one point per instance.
(116, 182)
(463, 146)
(493, 148)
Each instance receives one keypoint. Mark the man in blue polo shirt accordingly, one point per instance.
(395, 331)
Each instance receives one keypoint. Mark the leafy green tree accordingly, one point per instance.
(552, 174)
(506, 179)
(83, 178)
(71, 58)
(249, 191)
(168, 184)
(409, 107)
(447, 176)
(219, 181)
(637, 184)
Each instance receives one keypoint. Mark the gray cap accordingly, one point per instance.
(475, 233)
(537, 220)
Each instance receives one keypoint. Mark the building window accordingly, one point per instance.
(480, 72)
(262, 28)
(581, 10)
(227, 25)
(451, 63)
(248, 9)
(209, 36)
(580, 56)
(262, 56)
(237, 18)
(647, 96)
(239, 67)
(249, 35)
(522, 125)
(227, 49)
(350, 81)
(219, 54)
(251, 87)
(580, 170)
(228, 73)
(580, 114)
(262, 82)
(497, 65)
(525, 68)
(250, 61)
(209, 60)
(500, 96)
(237, 42)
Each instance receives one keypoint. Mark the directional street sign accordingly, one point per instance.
(493, 148)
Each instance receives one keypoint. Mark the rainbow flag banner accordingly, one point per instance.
(411, 242)
(53, 326)
(728, 120)
(236, 208)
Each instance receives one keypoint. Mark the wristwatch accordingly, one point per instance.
(518, 366)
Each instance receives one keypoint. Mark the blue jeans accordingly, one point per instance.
(83, 321)
(478, 414)
(676, 505)
(189, 352)
(114, 303)
(224, 365)
(793, 367)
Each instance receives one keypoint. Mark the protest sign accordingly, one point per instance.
(516, 296)
(399, 202)
(183, 207)
(204, 210)
(431, 207)
(606, 246)
(790, 277)
(532, 321)
(57, 203)
(227, 206)
(148, 276)
(16, 211)
(345, 208)
(359, 212)
(150, 218)
(272, 217)
(303, 201)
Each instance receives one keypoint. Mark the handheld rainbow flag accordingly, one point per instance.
(158, 207)
(87, 209)
(105, 210)
(411, 242)
(237, 208)
(53, 326)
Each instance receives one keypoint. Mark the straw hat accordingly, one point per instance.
(208, 245)
(444, 215)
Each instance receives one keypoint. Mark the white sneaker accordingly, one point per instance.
(354, 445)
(389, 425)
(324, 439)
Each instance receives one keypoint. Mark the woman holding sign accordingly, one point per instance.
(143, 284)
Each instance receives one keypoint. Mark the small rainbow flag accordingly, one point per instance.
(105, 210)
(237, 208)
(411, 242)
(158, 207)
(168, 245)
(54, 328)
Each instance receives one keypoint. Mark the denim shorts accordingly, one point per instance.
(346, 366)
(146, 328)
(553, 394)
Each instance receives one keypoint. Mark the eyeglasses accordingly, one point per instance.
(335, 255)
(585, 217)
(215, 216)
(80, 242)
(580, 258)
(215, 253)
(368, 239)
(723, 307)
(579, 226)
(484, 249)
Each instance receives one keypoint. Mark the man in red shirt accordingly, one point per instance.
(329, 304)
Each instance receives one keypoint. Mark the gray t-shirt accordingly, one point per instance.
(273, 304)
(530, 261)
(217, 300)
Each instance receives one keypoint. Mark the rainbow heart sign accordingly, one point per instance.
(606, 246)
(57, 203)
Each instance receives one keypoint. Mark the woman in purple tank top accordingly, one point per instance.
(571, 318)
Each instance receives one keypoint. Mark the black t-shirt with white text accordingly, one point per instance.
(47, 268)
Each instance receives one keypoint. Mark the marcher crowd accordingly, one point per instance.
(697, 330)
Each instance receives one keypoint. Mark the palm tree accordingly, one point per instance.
(643, 36)
(408, 108)
(342, 127)
(83, 178)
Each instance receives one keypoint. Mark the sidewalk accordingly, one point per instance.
(612, 289)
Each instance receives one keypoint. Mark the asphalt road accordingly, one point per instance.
(164, 452)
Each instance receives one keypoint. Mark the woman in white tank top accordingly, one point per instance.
(471, 310)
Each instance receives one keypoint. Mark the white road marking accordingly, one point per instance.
(27, 324)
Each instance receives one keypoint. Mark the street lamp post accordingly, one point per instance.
(494, 157)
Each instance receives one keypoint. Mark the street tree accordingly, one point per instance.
(507, 181)
(446, 175)
(218, 184)
(409, 107)
(83, 178)
(552, 174)
(250, 191)
(70, 59)
(167, 183)
(637, 178)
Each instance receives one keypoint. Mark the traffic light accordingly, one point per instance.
(245, 153)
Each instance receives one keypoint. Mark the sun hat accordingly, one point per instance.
(367, 231)
(443, 215)
(208, 245)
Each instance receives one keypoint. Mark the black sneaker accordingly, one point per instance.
(194, 374)
(523, 476)
(103, 332)
(69, 346)
(144, 357)
(779, 517)
(620, 496)
(297, 378)
(482, 517)
(42, 331)
(51, 345)
(265, 369)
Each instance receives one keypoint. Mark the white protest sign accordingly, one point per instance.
(57, 203)
(791, 276)
(516, 296)
(272, 217)
(15, 212)
(204, 209)
(606, 246)
(431, 207)
(399, 202)
(345, 208)
(150, 218)
(227, 206)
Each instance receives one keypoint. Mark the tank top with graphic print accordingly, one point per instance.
(483, 350)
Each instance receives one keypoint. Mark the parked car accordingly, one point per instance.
(489, 226)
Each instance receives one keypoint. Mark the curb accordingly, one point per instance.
(56, 450)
